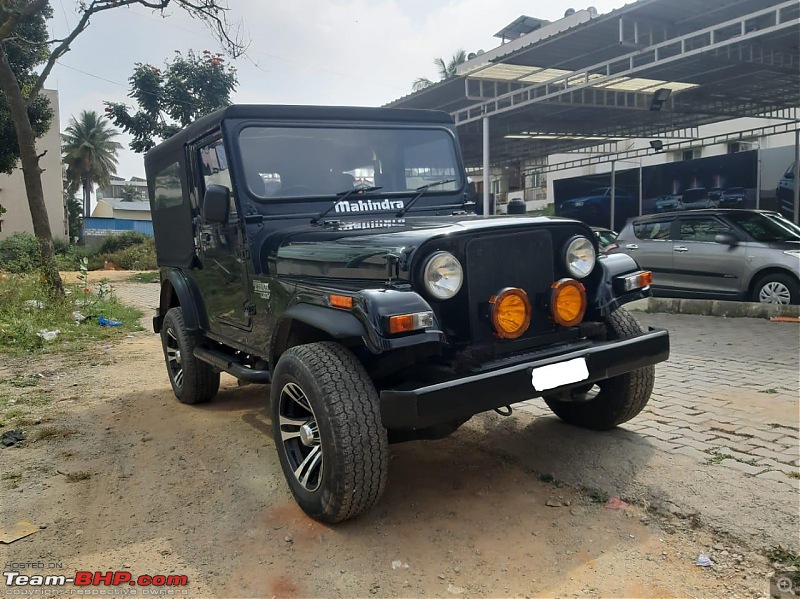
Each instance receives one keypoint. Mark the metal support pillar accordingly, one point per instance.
(797, 176)
(641, 187)
(486, 175)
(758, 176)
(613, 191)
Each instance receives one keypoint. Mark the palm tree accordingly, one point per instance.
(447, 70)
(90, 154)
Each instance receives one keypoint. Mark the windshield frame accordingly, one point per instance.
(244, 184)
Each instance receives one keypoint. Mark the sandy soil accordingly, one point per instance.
(199, 491)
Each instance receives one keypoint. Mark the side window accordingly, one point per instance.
(168, 190)
(658, 230)
(214, 167)
(704, 229)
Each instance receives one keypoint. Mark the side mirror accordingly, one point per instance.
(217, 204)
(726, 239)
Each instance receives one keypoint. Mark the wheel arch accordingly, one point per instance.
(179, 290)
(768, 270)
(306, 323)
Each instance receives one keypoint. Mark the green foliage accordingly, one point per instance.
(190, 86)
(2, 210)
(20, 321)
(122, 241)
(131, 193)
(26, 50)
(136, 257)
(447, 70)
(19, 253)
(90, 153)
(74, 215)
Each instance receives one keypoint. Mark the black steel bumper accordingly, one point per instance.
(508, 384)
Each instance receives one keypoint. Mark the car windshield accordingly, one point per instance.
(290, 162)
(766, 227)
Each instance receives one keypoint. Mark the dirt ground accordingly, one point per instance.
(160, 487)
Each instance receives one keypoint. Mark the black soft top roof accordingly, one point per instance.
(299, 113)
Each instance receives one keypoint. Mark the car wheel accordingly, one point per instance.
(777, 289)
(192, 381)
(610, 402)
(332, 445)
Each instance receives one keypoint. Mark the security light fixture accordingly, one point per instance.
(659, 97)
(657, 145)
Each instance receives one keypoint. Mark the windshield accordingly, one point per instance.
(290, 162)
(766, 227)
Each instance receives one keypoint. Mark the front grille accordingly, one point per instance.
(523, 260)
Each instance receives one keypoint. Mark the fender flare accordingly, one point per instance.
(606, 299)
(189, 298)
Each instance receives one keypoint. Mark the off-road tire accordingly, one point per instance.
(198, 382)
(783, 282)
(345, 410)
(620, 398)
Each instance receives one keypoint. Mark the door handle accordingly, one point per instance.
(680, 248)
(631, 246)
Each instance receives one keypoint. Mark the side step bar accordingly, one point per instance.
(227, 364)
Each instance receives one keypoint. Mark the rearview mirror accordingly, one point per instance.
(217, 204)
(726, 239)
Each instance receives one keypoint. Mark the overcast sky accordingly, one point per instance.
(339, 52)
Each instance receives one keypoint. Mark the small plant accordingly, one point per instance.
(74, 477)
(546, 478)
(794, 474)
(12, 479)
(598, 496)
(717, 457)
(54, 432)
(23, 381)
(769, 391)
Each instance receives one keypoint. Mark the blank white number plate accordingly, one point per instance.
(563, 373)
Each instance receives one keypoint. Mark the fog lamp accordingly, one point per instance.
(510, 312)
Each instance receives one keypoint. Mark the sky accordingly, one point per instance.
(334, 52)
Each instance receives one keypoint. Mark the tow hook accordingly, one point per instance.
(501, 411)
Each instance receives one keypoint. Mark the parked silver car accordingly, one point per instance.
(750, 255)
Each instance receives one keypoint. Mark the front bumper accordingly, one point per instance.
(509, 383)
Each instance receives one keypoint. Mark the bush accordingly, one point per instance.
(20, 253)
(137, 257)
(122, 241)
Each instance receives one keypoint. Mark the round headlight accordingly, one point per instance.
(580, 257)
(443, 275)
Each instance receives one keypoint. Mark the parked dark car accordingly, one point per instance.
(606, 238)
(734, 197)
(595, 208)
(750, 255)
(667, 203)
(382, 309)
(696, 197)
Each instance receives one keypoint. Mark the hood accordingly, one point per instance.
(358, 249)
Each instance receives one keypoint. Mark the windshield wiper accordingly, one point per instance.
(340, 197)
(420, 192)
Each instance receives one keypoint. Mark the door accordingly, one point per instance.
(651, 247)
(703, 266)
(223, 279)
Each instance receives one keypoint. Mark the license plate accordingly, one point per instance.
(556, 375)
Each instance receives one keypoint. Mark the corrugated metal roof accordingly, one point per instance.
(754, 75)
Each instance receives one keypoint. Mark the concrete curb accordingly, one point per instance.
(713, 308)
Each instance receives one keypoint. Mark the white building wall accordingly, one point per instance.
(12, 187)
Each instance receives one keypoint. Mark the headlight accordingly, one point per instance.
(443, 275)
(580, 257)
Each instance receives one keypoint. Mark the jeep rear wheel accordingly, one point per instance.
(610, 402)
(327, 426)
(192, 381)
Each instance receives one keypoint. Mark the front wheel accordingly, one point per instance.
(332, 445)
(610, 402)
(777, 288)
